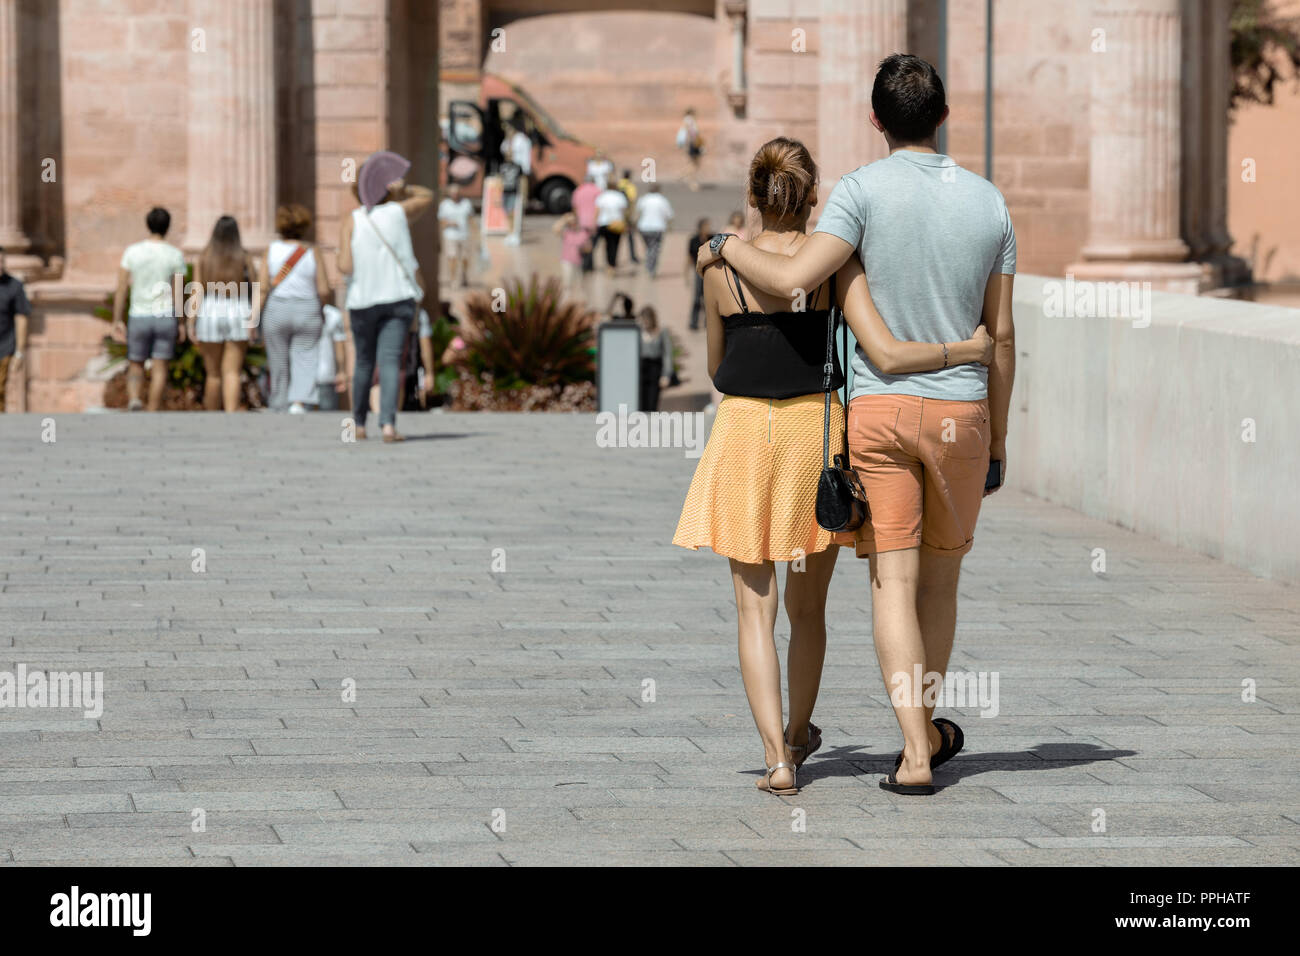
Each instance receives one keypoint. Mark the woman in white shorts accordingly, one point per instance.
(222, 317)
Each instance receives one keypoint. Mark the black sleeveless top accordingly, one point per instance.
(776, 354)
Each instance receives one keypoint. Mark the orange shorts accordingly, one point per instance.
(922, 462)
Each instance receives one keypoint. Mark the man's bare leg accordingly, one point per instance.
(135, 382)
(936, 610)
(901, 653)
(157, 383)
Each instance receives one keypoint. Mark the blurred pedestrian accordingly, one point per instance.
(584, 207)
(331, 360)
(14, 314)
(738, 225)
(384, 290)
(600, 168)
(611, 208)
(654, 213)
(703, 230)
(152, 276)
(690, 140)
(656, 358)
(295, 288)
(517, 148)
(454, 215)
(223, 324)
(628, 188)
(575, 242)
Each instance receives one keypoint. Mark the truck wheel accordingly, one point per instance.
(557, 195)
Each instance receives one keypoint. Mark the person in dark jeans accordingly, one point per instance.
(703, 230)
(375, 251)
(379, 333)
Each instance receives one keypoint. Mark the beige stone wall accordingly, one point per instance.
(619, 80)
(124, 125)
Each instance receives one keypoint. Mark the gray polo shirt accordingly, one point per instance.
(13, 301)
(930, 235)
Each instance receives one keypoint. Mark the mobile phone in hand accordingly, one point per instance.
(994, 478)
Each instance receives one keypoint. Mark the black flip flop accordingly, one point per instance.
(891, 784)
(946, 751)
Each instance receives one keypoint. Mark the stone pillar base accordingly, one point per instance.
(26, 267)
(1190, 278)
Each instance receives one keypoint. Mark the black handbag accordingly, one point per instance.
(841, 501)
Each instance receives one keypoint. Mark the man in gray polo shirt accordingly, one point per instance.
(939, 253)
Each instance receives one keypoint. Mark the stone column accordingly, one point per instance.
(232, 121)
(737, 12)
(853, 37)
(1207, 76)
(12, 236)
(1136, 156)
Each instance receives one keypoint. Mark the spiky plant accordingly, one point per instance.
(533, 338)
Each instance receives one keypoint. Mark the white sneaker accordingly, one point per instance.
(134, 405)
(512, 240)
(297, 409)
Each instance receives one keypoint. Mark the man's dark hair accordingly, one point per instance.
(159, 221)
(908, 98)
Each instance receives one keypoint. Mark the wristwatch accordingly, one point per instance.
(715, 243)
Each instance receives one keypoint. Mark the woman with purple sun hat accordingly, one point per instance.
(384, 287)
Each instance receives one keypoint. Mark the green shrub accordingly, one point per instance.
(538, 339)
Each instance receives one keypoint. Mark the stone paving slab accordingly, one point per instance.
(353, 680)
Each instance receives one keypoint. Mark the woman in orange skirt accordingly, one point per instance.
(753, 495)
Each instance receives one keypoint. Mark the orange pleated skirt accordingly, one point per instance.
(754, 493)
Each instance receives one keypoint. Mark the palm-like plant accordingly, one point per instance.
(535, 339)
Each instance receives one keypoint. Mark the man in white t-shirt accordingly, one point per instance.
(454, 214)
(152, 274)
(611, 210)
(600, 168)
(654, 213)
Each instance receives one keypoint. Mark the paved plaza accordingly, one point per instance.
(441, 653)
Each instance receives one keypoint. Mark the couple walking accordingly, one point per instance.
(919, 254)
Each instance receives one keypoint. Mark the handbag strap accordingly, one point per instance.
(828, 370)
(285, 268)
(419, 293)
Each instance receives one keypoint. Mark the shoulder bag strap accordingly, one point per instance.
(285, 269)
(828, 370)
(419, 293)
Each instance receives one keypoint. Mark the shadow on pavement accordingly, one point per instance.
(846, 761)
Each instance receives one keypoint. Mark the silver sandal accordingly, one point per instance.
(766, 783)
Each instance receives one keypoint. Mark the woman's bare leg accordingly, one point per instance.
(232, 373)
(760, 668)
(210, 352)
(805, 606)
